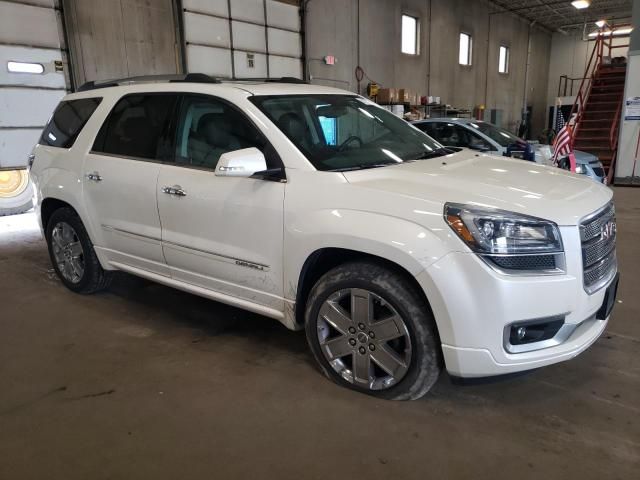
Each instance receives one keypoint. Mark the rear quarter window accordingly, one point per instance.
(67, 122)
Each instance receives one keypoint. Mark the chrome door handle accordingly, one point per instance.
(94, 176)
(175, 190)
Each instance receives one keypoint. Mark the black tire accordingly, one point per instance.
(392, 287)
(94, 277)
(21, 203)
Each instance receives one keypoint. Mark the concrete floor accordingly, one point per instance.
(148, 382)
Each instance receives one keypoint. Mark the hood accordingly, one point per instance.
(585, 158)
(498, 182)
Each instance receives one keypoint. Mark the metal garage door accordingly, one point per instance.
(243, 38)
(29, 39)
(121, 38)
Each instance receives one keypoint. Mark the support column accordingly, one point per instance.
(627, 167)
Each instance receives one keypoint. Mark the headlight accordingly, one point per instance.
(580, 169)
(509, 241)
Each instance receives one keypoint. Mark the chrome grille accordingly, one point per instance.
(598, 248)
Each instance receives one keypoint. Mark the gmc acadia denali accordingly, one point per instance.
(317, 208)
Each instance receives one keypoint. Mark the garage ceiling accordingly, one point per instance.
(560, 14)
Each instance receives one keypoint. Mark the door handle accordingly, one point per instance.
(175, 190)
(94, 176)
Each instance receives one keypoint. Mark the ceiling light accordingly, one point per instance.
(580, 4)
(622, 31)
(601, 23)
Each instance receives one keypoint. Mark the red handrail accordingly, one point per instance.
(602, 41)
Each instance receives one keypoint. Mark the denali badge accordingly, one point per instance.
(608, 230)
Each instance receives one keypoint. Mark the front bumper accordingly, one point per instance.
(473, 304)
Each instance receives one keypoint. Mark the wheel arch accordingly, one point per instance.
(50, 205)
(325, 259)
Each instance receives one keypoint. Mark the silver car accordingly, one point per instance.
(484, 136)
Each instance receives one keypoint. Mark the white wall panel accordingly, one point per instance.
(284, 43)
(15, 146)
(209, 60)
(206, 30)
(249, 10)
(27, 100)
(20, 103)
(46, 57)
(247, 36)
(214, 7)
(283, 15)
(259, 69)
(284, 67)
(28, 25)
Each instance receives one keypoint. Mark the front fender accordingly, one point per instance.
(405, 243)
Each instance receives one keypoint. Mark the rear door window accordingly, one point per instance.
(138, 127)
(67, 122)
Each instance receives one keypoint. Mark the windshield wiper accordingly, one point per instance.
(363, 166)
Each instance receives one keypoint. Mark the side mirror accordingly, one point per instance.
(241, 163)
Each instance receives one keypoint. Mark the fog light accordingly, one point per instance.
(534, 330)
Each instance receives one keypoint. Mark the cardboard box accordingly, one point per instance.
(404, 95)
(387, 95)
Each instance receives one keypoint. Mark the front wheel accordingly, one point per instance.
(371, 331)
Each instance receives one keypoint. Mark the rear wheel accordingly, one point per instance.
(371, 331)
(72, 254)
(16, 192)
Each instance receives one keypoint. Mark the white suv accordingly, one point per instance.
(317, 208)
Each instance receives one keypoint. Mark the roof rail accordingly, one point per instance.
(271, 80)
(188, 77)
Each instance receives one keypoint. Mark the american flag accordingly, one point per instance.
(562, 142)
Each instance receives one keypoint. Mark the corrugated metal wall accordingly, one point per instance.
(30, 31)
(243, 38)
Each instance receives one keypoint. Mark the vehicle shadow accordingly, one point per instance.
(206, 318)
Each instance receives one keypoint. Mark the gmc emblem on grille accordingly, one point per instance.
(608, 230)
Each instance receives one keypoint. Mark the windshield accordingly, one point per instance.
(500, 135)
(341, 132)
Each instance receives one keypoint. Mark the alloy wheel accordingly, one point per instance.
(68, 252)
(364, 338)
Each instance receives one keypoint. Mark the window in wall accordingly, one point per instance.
(503, 60)
(25, 67)
(466, 49)
(409, 35)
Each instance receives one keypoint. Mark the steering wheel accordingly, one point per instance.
(351, 139)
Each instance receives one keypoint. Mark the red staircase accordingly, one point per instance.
(598, 104)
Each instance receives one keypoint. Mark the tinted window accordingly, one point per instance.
(67, 122)
(500, 135)
(341, 132)
(137, 127)
(452, 135)
(208, 127)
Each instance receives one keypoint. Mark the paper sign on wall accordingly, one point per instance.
(632, 110)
